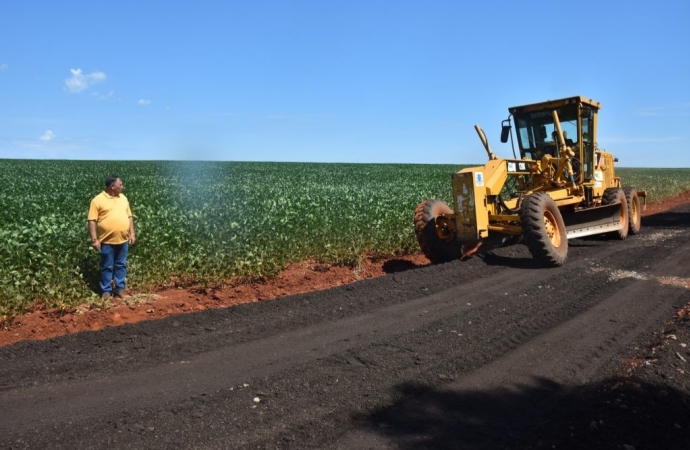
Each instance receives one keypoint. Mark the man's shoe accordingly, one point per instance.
(122, 294)
(105, 296)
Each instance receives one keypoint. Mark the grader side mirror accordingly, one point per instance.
(505, 132)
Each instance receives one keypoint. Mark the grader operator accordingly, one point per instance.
(562, 186)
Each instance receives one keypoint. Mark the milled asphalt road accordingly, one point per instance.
(469, 354)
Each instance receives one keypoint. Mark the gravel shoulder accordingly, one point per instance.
(492, 352)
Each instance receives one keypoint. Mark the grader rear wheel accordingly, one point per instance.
(616, 195)
(544, 231)
(634, 210)
(438, 248)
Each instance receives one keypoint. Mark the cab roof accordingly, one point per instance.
(551, 104)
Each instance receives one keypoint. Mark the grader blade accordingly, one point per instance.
(590, 221)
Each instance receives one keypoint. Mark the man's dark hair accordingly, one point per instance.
(110, 179)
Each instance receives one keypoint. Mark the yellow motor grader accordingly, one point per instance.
(561, 187)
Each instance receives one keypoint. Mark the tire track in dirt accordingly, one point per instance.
(573, 353)
(568, 355)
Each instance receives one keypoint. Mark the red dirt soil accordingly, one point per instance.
(297, 278)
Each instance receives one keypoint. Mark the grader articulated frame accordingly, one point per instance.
(561, 187)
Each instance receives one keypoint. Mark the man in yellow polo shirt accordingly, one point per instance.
(111, 227)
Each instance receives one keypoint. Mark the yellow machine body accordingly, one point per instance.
(573, 172)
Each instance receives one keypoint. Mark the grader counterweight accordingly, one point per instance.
(562, 186)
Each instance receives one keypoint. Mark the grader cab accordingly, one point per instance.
(562, 186)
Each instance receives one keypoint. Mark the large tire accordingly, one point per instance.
(543, 229)
(436, 249)
(634, 210)
(616, 195)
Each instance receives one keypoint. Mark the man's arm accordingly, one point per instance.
(95, 243)
(132, 237)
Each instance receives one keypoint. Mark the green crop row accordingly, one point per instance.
(201, 222)
(206, 222)
(660, 184)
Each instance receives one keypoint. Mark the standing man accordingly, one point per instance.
(111, 227)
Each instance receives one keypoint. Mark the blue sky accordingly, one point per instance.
(334, 81)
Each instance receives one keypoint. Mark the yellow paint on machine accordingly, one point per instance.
(469, 193)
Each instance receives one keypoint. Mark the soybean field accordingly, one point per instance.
(208, 222)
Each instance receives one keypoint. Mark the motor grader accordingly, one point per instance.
(562, 186)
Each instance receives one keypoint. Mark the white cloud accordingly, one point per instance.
(653, 111)
(105, 97)
(47, 136)
(649, 111)
(80, 81)
(3, 67)
(144, 102)
(637, 140)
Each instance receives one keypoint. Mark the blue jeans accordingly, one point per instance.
(113, 266)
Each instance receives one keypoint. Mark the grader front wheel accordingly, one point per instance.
(617, 195)
(634, 210)
(544, 231)
(437, 244)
